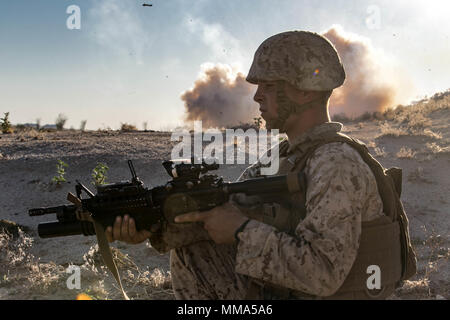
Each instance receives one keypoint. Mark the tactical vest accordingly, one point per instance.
(384, 242)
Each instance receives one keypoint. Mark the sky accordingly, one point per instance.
(131, 64)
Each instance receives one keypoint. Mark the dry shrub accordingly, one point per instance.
(149, 285)
(371, 144)
(365, 117)
(60, 121)
(389, 114)
(406, 153)
(434, 148)
(413, 119)
(431, 270)
(14, 248)
(418, 176)
(389, 131)
(341, 117)
(419, 289)
(380, 152)
(23, 276)
(29, 133)
(416, 121)
(407, 129)
(83, 125)
(125, 127)
(138, 283)
(431, 134)
(415, 115)
(20, 272)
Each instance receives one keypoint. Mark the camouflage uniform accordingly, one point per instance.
(341, 194)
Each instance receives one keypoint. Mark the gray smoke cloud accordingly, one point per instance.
(220, 98)
(370, 85)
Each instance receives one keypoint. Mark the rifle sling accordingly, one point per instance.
(105, 251)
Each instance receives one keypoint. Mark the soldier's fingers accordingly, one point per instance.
(124, 232)
(116, 228)
(109, 235)
(192, 217)
(132, 228)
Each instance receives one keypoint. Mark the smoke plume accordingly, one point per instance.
(370, 85)
(220, 98)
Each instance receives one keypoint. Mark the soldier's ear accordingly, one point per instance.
(308, 96)
(294, 94)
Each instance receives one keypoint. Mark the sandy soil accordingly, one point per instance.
(28, 163)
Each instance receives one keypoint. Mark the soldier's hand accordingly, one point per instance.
(220, 222)
(125, 230)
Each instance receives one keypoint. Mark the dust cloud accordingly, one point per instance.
(220, 98)
(370, 86)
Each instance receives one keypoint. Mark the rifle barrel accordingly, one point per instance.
(42, 211)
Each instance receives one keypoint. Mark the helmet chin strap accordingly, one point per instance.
(286, 107)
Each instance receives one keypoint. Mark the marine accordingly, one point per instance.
(315, 243)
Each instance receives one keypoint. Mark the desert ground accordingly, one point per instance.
(415, 138)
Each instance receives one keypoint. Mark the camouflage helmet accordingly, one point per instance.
(306, 60)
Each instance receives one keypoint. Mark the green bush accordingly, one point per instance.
(61, 171)
(99, 174)
(5, 124)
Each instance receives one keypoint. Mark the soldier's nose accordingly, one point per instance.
(258, 96)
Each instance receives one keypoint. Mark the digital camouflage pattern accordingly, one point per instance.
(316, 258)
(306, 60)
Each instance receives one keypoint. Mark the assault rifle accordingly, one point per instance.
(190, 189)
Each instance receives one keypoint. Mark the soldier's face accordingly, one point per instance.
(266, 96)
